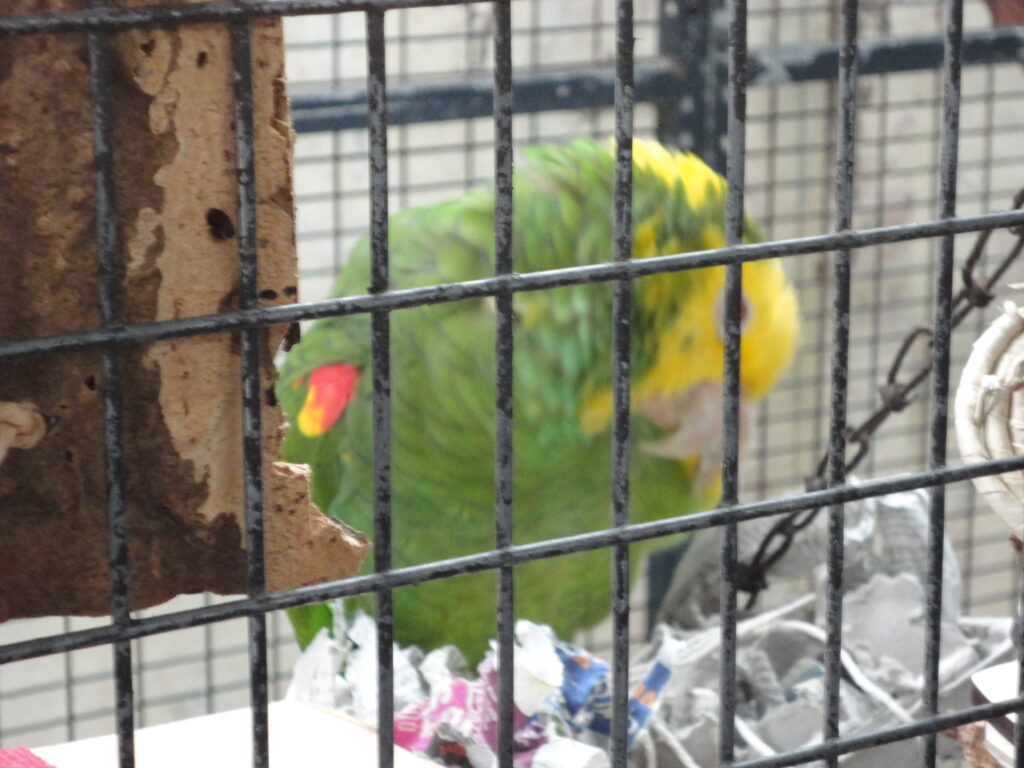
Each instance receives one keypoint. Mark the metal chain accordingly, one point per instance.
(895, 393)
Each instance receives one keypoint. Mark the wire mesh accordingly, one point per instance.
(888, 274)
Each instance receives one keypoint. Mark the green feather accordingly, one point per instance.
(308, 620)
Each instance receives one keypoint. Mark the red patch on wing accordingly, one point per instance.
(331, 388)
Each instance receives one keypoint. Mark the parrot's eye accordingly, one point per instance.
(720, 314)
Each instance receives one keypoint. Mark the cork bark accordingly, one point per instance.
(177, 203)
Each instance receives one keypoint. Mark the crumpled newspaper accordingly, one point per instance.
(563, 693)
(562, 697)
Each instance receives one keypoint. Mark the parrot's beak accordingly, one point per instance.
(693, 423)
(331, 388)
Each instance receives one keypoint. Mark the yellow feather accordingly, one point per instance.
(674, 167)
(311, 417)
(691, 350)
(596, 411)
(698, 180)
(645, 237)
(652, 156)
(712, 237)
(770, 339)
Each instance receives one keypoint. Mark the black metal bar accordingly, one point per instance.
(504, 466)
(70, 716)
(727, 614)
(180, 13)
(252, 439)
(804, 62)
(767, 212)
(836, 470)
(1017, 633)
(108, 249)
(207, 661)
(684, 38)
(622, 302)
(139, 683)
(531, 281)
(377, 108)
(515, 555)
(941, 343)
(654, 82)
(671, 33)
(736, 178)
(1017, 636)
(711, 126)
(466, 99)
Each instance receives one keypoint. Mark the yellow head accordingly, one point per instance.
(679, 205)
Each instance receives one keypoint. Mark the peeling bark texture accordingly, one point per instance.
(177, 205)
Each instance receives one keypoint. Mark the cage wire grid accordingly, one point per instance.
(455, 182)
(939, 226)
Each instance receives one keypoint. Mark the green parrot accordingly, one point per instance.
(443, 390)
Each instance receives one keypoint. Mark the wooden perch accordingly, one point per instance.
(171, 94)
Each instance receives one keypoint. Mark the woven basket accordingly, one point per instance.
(989, 413)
